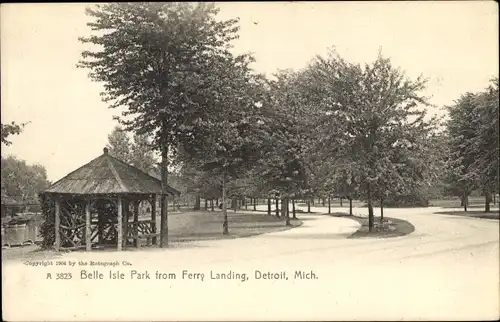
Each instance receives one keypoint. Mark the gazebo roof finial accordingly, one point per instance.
(105, 150)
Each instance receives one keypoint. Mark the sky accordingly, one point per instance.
(454, 44)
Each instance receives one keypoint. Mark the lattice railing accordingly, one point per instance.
(140, 228)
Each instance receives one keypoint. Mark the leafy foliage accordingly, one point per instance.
(10, 129)
(473, 140)
(137, 152)
(151, 58)
(374, 125)
(22, 181)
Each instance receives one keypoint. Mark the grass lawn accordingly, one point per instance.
(187, 227)
(206, 225)
(474, 202)
(473, 213)
(334, 203)
(390, 227)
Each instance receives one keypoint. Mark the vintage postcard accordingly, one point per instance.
(250, 161)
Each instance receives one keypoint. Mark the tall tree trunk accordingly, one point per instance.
(164, 189)
(277, 208)
(255, 204)
(370, 209)
(269, 206)
(341, 201)
(283, 207)
(350, 206)
(233, 204)
(308, 206)
(466, 200)
(494, 198)
(329, 205)
(225, 226)
(487, 200)
(293, 209)
(197, 203)
(206, 204)
(324, 201)
(212, 204)
(246, 204)
(287, 212)
(381, 210)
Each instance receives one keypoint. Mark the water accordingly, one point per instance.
(18, 234)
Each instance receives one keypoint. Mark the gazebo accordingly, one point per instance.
(98, 203)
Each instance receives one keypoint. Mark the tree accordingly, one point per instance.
(138, 152)
(142, 153)
(119, 145)
(150, 60)
(461, 133)
(374, 118)
(10, 129)
(284, 165)
(21, 181)
(473, 142)
(228, 135)
(486, 147)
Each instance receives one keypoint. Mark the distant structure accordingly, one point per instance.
(7, 203)
(98, 204)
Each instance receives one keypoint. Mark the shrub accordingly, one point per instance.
(46, 231)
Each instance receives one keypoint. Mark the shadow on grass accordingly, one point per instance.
(390, 227)
(473, 214)
(309, 218)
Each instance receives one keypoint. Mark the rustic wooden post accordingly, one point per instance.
(119, 226)
(99, 228)
(57, 225)
(88, 233)
(153, 217)
(136, 221)
(126, 206)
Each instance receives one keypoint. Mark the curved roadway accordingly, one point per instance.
(448, 268)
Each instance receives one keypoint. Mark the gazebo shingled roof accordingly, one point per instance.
(108, 175)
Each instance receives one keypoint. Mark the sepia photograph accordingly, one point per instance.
(250, 161)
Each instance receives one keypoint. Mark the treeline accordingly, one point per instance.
(222, 131)
(334, 127)
(21, 183)
(472, 142)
